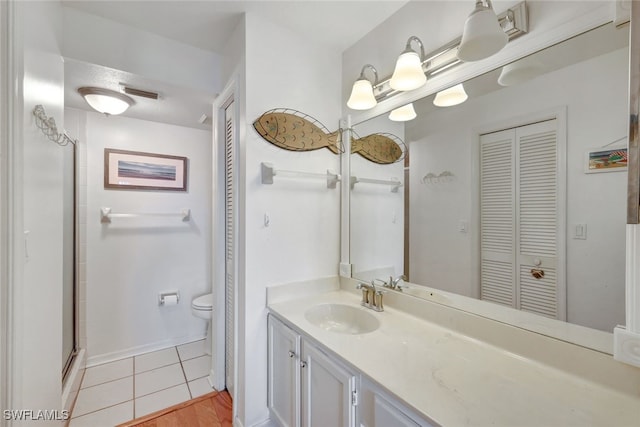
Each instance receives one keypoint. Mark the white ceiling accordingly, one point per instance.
(208, 25)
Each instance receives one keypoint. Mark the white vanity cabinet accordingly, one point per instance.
(306, 387)
(378, 409)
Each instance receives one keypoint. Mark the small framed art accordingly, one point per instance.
(133, 170)
(606, 160)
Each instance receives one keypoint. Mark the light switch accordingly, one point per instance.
(463, 226)
(580, 232)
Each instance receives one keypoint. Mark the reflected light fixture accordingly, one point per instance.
(482, 36)
(362, 97)
(408, 74)
(106, 101)
(403, 114)
(449, 97)
(519, 72)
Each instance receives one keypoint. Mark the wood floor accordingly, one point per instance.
(211, 410)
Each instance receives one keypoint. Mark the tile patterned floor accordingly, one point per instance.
(120, 391)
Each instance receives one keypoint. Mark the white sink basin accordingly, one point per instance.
(343, 319)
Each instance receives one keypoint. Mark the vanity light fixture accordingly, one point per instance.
(449, 97)
(403, 114)
(519, 72)
(408, 74)
(482, 36)
(106, 101)
(513, 23)
(362, 97)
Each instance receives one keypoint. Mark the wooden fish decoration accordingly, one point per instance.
(296, 131)
(382, 148)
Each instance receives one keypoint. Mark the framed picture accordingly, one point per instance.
(606, 160)
(132, 170)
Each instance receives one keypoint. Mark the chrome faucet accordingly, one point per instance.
(371, 297)
(393, 283)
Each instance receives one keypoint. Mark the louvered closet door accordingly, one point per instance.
(519, 218)
(537, 213)
(229, 246)
(497, 219)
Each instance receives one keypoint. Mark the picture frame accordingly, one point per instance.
(606, 160)
(135, 170)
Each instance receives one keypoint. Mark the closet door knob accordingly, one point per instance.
(303, 364)
(291, 353)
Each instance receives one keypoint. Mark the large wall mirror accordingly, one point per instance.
(516, 197)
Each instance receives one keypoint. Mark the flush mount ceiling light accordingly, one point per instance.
(403, 114)
(449, 97)
(408, 74)
(362, 97)
(482, 36)
(106, 101)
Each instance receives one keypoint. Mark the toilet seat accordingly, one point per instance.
(203, 303)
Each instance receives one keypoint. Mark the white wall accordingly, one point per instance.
(302, 240)
(38, 195)
(130, 261)
(441, 256)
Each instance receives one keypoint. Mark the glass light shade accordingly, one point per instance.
(519, 72)
(408, 74)
(403, 114)
(106, 101)
(453, 96)
(362, 97)
(482, 36)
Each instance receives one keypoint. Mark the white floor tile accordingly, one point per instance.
(197, 368)
(158, 379)
(108, 372)
(191, 350)
(104, 395)
(157, 359)
(161, 400)
(200, 386)
(107, 417)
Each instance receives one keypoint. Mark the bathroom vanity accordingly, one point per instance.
(428, 364)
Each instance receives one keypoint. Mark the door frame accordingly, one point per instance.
(560, 115)
(217, 375)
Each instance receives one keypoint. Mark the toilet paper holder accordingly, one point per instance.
(167, 298)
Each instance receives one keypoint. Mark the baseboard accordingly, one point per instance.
(142, 349)
(266, 423)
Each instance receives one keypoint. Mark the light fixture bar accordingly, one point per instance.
(514, 22)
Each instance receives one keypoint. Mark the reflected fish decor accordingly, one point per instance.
(381, 148)
(295, 131)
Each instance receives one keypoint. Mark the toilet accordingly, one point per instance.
(202, 307)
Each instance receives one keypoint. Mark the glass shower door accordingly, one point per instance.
(69, 335)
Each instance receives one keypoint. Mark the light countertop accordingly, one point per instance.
(455, 380)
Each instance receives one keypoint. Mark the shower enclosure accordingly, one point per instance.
(69, 270)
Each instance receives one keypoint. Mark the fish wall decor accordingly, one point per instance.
(296, 131)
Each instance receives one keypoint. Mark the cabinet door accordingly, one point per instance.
(378, 409)
(284, 378)
(327, 391)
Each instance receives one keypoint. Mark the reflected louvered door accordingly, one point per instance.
(497, 219)
(229, 247)
(537, 218)
(519, 218)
